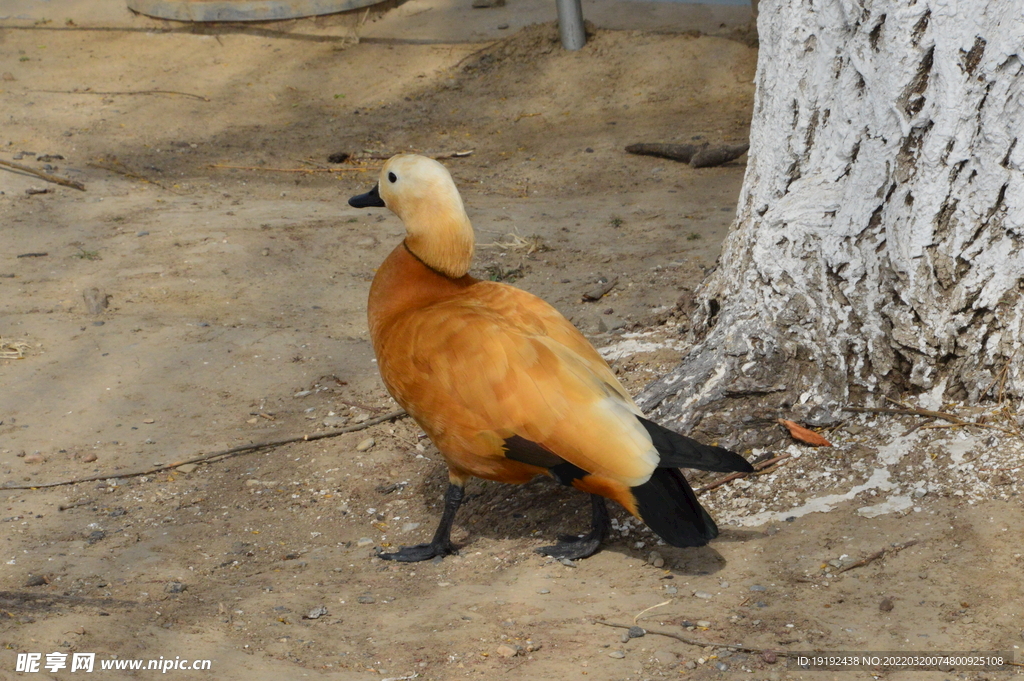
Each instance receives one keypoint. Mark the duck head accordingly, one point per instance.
(421, 192)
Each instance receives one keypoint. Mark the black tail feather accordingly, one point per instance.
(668, 505)
(679, 451)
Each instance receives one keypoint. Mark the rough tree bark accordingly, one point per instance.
(878, 240)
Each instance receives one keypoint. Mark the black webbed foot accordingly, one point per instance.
(574, 548)
(420, 552)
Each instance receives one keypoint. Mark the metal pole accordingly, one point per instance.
(570, 24)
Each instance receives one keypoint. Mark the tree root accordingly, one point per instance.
(206, 458)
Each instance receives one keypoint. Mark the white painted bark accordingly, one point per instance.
(878, 239)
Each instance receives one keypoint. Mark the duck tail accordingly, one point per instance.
(668, 505)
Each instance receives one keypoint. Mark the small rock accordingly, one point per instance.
(8, 76)
(656, 560)
(175, 587)
(316, 613)
(664, 657)
(690, 664)
(335, 421)
(566, 562)
(617, 654)
(671, 590)
(364, 541)
(919, 493)
(544, 591)
(636, 632)
(702, 594)
(95, 300)
(187, 467)
(885, 605)
(90, 457)
(769, 656)
(532, 647)
(35, 458)
(95, 536)
(625, 637)
(703, 623)
(408, 527)
(506, 650)
(36, 580)
(758, 587)
(365, 444)
(366, 598)
(722, 666)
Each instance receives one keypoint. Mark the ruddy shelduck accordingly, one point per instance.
(506, 387)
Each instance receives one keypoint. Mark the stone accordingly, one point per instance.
(506, 650)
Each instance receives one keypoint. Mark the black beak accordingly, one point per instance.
(368, 200)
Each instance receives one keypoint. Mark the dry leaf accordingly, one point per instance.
(802, 434)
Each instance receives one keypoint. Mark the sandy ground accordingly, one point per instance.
(235, 314)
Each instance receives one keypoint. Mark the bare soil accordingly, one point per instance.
(235, 314)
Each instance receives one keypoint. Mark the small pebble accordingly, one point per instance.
(335, 421)
(769, 656)
(885, 605)
(566, 562)
(617, 654)
(544, 591)
(175, 587)
(703, 623)
(364, 541)
(409, 527)
(757, 587)
(690, 665)
(187, 467)
(35, 458)
(36, 580)
(506, 650)
(636, 632)
(366, 598)
(722, 666)
(365, 444)
(702, 594)
(317, 612)
(90, 457)
(625, 637)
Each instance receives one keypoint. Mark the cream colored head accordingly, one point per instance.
(421, 192)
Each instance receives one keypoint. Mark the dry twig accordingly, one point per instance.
(45, 176)
(205, 458)
(694, 642)
(762, 468)
(293, 170)
(129, 92)
(876, 555)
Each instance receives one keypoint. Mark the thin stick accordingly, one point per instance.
(292, 170)
(637, 616)
(876, 555)
(373, 156)
(46, 176)
(216, 455)
(694, 642)
(908, 412)
(128, 92)
(109, 165)
(759, 469)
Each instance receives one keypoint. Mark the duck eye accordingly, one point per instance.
(392, 178)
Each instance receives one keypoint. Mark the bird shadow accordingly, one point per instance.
(542, 510)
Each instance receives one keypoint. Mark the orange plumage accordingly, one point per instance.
(504, 385)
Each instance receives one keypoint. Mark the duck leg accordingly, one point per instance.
(441, 544)
(574, 548)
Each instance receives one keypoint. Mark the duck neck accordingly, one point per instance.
(444, 243)
(406, 282)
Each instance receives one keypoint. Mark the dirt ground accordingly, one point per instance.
(228, 308)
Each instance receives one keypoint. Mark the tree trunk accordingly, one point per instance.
(878, 239)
